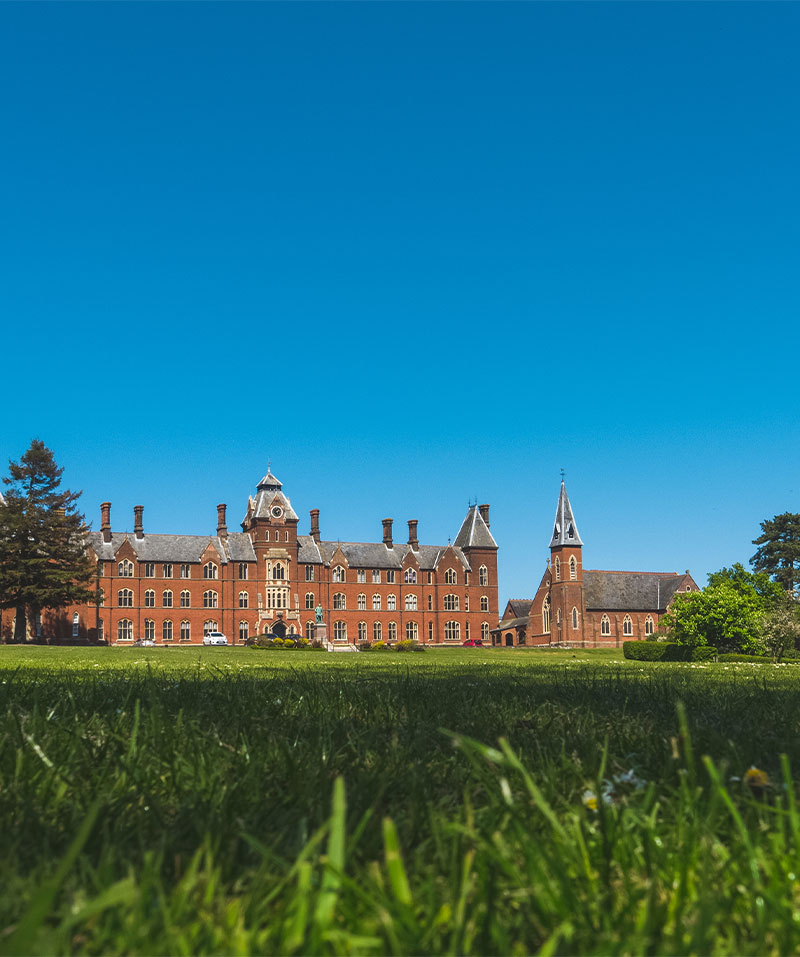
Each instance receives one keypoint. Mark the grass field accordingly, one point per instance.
(190, 801)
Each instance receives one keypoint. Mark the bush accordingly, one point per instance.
(405, 645)
(703, 653)
(380, 646)
(656, 651)
(365, 646)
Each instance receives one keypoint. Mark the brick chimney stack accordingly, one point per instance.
(387, 532)
(412, 534)
(484, 510)
(315, 524)
(105, 520)
(138, 528)
(222, 528)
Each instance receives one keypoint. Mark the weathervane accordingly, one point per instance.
(562, 474)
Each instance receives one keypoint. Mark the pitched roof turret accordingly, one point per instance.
(565, 531)
(474, 532)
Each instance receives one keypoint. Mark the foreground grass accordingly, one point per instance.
(231, 801)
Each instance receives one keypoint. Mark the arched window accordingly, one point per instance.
(209, 626)
(166, 631)
(362, 602)
(430, 631)
(648, 625)
(484, 631)
(310, 599)
(244, 631)
(76, 624)
(430, 602)
(125, 598)
(391, 602)
(186, 631)
(410, 576)
(125, 569)
(392, 631)
(558, 617)
(605, 626)
(166, 598)
(244, 599)
(278, 572)
(210, 570)
(376, 602)
(451, 602)
(149, 629)
(452, 631)
(450, 577)
(149, 598)
(412, 631)
(411, 602)
(338, 574)
(546, 615)
(339, 601)
(310, 630)
(209, 599)
(377, 631)
(340, 630)
(484, 603)
(125, 630)
(557, 567)
(573, 569)
(627, 626)
(362, 631)
(185, 599)
(483, 576)
(575, 619)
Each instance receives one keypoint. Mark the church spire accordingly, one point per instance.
(565, 531)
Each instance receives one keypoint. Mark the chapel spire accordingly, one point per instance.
(565, 530)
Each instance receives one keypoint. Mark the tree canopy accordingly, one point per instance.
(43, 561)
(779, 549)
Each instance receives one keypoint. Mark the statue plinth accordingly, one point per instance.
(321, 631)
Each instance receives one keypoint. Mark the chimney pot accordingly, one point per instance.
(412, 533)
(138, 529)
(105, 520)
(222, 527)
(484, 510)
(315, 524)
(387, 532)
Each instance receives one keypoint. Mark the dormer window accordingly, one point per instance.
(338, 574)
(570, 531)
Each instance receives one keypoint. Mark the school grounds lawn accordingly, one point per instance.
(464, 801)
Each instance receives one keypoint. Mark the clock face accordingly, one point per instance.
(277, 511)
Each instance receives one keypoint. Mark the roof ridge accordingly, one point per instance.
(616, 571)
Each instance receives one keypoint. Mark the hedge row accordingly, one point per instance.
(656, 651)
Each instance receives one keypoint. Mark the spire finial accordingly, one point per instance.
(562, 474)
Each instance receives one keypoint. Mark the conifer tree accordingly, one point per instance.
(43, 561)
(779, 549)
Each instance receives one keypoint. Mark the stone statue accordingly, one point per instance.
(318, 614)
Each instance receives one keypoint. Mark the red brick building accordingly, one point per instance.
(573, 606)
(268, 579)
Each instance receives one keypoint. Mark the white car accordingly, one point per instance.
(215, 638)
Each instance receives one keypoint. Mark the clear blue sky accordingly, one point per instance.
(414, 254)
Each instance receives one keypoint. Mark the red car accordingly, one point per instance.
(470, 643)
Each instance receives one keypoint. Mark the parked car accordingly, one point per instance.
(472, 643)
(215, 638)
(144, 643)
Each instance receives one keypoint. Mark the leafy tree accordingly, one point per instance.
(747, 582)
(724, 615)
(779, 549)
(43, 561)
(780, 625)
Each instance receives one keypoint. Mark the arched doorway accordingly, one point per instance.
(279, 629)
(509, 639)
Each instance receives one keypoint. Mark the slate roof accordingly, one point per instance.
(565, 529)
(474, 533)
(630, 591)
(376, 554)
(520, 606)
(175, 548)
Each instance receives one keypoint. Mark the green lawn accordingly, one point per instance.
(456, 801)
